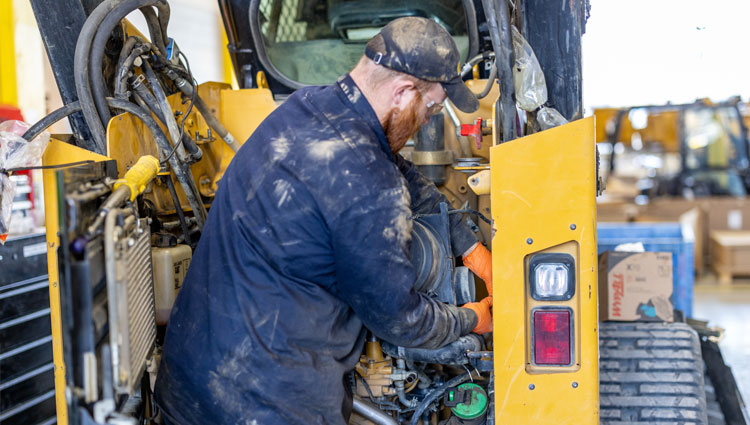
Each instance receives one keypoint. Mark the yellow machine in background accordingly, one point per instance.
(690, 150)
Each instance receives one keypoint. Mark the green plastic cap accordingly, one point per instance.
(477, 404)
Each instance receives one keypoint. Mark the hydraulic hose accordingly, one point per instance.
(435, 394)
(107, 25)
(500, 34)
(187, 88)
(453, 353)
(51, 118)
(168, 118)
(184, 175)
(154, 29)
(125, 64)
(400, 390)
(490, 82)
(127, 47)
(81, 67)
(148, 102)
(469, 65)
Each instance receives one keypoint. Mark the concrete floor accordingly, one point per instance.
(729, 308)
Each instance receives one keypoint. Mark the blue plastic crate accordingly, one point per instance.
(658, 237)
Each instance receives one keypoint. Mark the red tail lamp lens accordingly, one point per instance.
(552, 337)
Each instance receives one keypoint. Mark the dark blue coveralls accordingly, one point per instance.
(306, 243)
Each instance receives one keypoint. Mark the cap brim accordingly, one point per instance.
(460, 95)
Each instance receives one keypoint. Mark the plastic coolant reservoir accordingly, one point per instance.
(170, 266)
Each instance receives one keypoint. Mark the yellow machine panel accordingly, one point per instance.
(543, 194)
(241, 111)
(57, 153)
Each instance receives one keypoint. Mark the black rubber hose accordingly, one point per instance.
(500, 34)
(435, 394)
(123, 68)
(74, 107)
(164, 13)
(148, 102)
(140, 88)
(451, 354)
(51, 118)
(187, 88)
(490, 82)
(81, 67)
(169, 120)
(108, 24)
(471, 26)
(154, 29)
(184, 176)
(178, 209)
(127, 47)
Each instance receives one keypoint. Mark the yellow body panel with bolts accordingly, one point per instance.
(57, 153)
(241, 111)
(543, 195)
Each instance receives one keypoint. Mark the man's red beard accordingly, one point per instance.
(401, 125)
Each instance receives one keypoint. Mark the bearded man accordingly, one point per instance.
(307, 244)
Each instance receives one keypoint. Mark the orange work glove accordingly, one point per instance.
(479, 260)
(484, 315)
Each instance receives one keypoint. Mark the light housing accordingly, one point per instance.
(552, 277)
(552, 336)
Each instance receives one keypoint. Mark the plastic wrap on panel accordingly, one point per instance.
(531, 88)
(15, 152)
(549, 117)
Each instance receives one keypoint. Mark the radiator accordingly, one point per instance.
(133, 330)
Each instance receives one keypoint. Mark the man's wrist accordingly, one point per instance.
(469, 320)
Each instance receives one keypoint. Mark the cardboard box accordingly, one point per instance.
(731, 250)
(635, 286)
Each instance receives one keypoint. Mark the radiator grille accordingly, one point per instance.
(136, 327)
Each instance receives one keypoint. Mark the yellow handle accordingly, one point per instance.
(480, 182)
(139, 175)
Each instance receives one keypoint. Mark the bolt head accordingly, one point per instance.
(531, 387)
(529, 241)
(575, 384)
(572, 227)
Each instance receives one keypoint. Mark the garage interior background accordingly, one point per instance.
(635, 52)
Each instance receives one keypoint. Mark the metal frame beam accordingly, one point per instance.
(59, 23)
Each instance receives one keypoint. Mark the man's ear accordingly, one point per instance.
(402, 92)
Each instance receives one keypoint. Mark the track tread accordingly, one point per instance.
(651, 373)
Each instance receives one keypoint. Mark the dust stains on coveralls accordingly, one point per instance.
(306, 243)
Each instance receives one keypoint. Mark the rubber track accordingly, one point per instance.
(650, 373)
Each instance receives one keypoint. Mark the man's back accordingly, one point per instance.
(306, 241)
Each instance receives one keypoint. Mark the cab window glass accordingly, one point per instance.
(316, 41)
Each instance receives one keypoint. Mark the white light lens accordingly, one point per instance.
(551, 280)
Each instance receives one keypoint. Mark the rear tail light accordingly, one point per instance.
(552, 337)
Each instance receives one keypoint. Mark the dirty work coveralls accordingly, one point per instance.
(306, 243)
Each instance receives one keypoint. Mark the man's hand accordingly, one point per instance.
(479, 260)
(484, 315)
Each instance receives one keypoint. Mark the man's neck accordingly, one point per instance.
(380, 108)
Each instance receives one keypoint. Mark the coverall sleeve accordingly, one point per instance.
(374, 276)
(426, 199)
